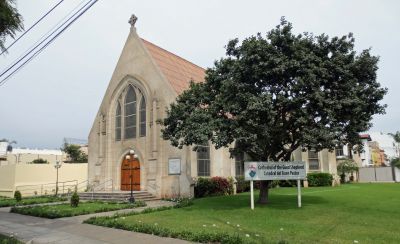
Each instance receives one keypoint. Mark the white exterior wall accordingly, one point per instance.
(365, 155)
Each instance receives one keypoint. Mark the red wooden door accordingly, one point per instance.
(130, 168)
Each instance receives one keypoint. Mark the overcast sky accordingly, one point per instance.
(58, 94)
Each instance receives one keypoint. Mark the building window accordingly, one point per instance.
(339, 152)
(239, 164)
(142, 119)
(203, 160)
(130, 113)
(118, 123)
(313, 161)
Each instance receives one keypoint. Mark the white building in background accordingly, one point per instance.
(365, 156)
(363, 159)
(387, 143)
(27, 155)
(3, 150)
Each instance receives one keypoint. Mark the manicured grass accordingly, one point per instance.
(356, 213)
(7, 202)
(65, 210)
(8, 240)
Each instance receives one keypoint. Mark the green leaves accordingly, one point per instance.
(273, 94)
(10, 21)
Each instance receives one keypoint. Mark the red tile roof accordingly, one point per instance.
(178, 71)
(366, 136)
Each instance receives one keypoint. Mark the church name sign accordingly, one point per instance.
(295, 170)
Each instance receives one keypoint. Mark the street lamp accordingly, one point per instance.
(129, 157)
(57, 166)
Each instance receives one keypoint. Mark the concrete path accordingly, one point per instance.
(70, 230)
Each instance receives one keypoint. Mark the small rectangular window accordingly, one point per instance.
(313, 160)
(239, 165)
(203, 160)
(339, 152)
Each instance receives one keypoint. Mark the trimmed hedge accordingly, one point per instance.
(319, 179)
(215, 186)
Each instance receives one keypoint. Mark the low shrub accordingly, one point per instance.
(203, 187)
(215, 186)
(17, 196)
(319, 179)
(40, 161)
(242, 185)
(74, 200)
(222, 186)
(284, 183)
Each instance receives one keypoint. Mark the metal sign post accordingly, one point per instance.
(299, 193)
(252, 195)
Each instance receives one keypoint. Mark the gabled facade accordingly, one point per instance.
(145, 81)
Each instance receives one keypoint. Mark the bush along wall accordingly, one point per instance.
(215, 186)
(242, 185)
(319, 179)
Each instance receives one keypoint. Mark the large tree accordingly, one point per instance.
(10, 21)
(271, 95)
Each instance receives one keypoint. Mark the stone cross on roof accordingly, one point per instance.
(133, 20)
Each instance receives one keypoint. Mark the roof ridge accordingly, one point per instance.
(172, 53)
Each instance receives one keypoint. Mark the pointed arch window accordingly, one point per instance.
(142, 118)
(130, 113)
(118, 122)
(203, 160)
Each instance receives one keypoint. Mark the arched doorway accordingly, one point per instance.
(130, 174)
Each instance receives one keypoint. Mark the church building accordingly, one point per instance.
(126, 149)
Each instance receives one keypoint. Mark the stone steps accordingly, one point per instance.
(117, 196)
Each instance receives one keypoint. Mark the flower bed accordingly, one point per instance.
(65, 210)
(7, 202)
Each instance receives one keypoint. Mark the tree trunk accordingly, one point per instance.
(264, 189)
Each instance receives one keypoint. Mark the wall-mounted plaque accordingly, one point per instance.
(174, 166)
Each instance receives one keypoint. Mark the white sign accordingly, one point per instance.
(295, 170)
(174, 166)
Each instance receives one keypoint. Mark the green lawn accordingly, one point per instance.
(8, 240)
(356, 213)
(65, 210)
(7, 202)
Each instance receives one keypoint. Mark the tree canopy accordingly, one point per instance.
(75, 153)
(10, 21)
(396, 136)
(275, 93)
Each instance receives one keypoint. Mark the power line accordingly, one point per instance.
(2, 82)
(43, 37)
(41, 42)
(30, 28)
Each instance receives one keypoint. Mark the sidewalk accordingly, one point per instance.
(70, 230)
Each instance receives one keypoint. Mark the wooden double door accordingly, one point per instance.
(130, 175)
